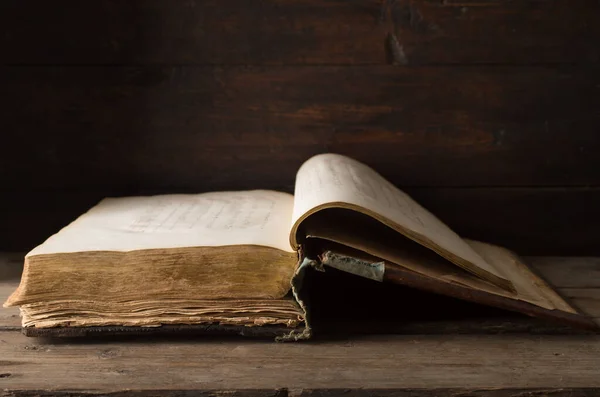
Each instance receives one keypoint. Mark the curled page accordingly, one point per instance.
(335, 181)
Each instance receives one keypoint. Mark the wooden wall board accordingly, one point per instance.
(299, 32)
(112, 97)
(101, 127)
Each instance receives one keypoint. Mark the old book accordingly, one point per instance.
(236, 261)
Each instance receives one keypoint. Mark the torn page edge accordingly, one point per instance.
(297, 281)
(358, 267)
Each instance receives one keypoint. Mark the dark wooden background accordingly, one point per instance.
(486, 111)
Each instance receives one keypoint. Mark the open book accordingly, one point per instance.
(236, 260)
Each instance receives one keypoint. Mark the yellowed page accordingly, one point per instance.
(258, 217)
(528, 285)
(331, 180)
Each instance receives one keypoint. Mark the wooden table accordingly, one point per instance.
(509, 364)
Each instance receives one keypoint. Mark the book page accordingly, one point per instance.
(258, 217)
(331, 180)
(356, 231)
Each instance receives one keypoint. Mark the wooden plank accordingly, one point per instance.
(297, 32)
(588, 298)
(179, 393)
(526, 392)
(577, 279)
(207, 128)
(442, 361)
(358, 392)
(517, 218)
(572, 272)
(528, 221)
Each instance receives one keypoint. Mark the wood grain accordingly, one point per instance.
(179, 393)
(446, 361)
(464, 392)
(297, 32)
(328, 392)
(211, 128)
